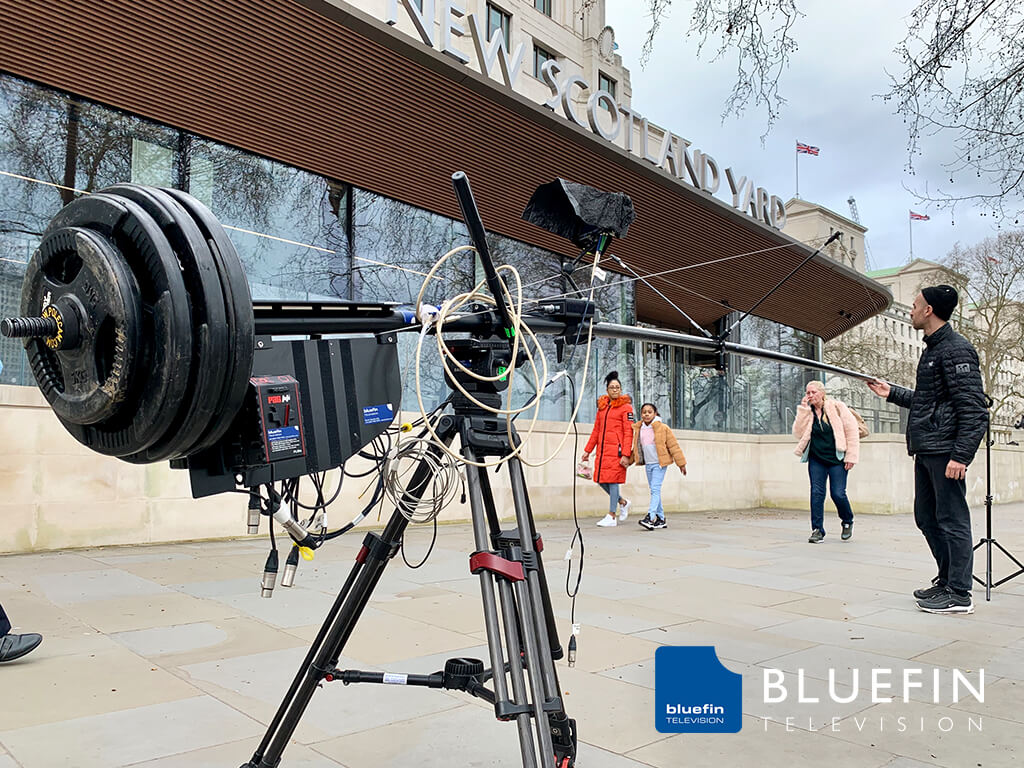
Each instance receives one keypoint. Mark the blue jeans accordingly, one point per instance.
(836, 477)
(655, 477)
(612, 489)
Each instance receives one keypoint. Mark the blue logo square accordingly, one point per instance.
(694, 693)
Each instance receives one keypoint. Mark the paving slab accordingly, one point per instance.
(167, 656)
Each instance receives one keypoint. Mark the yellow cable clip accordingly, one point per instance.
(307, 553)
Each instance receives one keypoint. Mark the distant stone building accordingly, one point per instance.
(887, 345)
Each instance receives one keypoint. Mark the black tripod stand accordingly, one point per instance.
(987, 539)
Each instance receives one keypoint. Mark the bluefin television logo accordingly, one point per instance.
(694, 693)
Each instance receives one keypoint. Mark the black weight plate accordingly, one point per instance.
(165, 348)
(210, 333)
(238, 301)
(83, 276)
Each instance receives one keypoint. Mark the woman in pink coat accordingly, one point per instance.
(829, 441)
(612, 436)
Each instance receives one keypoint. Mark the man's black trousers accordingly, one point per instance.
(942, 514)
(5, 624)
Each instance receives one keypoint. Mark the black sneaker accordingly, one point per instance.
(647, 522)
(816, 535)
(947, 602)
(926, 593)
(659, 522)
(847, 531)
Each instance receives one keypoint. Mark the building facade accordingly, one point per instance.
(317, 214)
(324, 139)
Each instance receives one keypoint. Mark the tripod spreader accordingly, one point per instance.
(458, 675)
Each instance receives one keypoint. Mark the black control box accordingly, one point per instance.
(311, 405)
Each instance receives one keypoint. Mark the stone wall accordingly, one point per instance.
(55, 494)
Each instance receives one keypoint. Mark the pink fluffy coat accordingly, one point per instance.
(844, 427)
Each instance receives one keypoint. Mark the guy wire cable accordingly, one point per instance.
(624, 280)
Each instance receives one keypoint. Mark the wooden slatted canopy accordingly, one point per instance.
(328, 89)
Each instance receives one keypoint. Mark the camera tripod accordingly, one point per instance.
(521, 636)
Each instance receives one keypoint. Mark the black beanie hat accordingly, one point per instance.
(943, 299)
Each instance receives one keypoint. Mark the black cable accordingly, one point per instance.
(433, 540)
(377, 457)
(573, 591)
(377, 499)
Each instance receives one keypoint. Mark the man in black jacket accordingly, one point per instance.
(948, 418)
(15, 646)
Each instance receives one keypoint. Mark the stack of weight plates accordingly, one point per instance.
(156, 343)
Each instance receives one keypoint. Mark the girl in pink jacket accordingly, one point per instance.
(829, 441)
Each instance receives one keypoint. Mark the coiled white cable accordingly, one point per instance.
(530, 347)
(439, 488)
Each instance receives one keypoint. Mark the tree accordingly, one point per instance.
(760, 34)
(959, 79)
(963, 81)
(992, 309)
(871, 351)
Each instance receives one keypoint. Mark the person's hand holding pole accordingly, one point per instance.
(879, 387)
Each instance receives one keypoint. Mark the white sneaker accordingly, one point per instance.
(624, 510)
(608, 521)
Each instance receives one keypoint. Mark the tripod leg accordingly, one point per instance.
(526, 626)
(497, 536)
(563, 730)
(323, 656)
(539, 586)
(539, 600)
(560, 731)
(487, 589)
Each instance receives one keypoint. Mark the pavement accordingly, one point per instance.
(166, 655)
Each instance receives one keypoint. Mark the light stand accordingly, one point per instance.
(987, 539)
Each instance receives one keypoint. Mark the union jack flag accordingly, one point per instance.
(918, 216)
(806, 149)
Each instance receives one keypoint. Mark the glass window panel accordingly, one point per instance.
(33, 140)
(544, 6)
(152, 164)
(540, 55)
(396, 245)
(111, 147)
(497, 20)
(288, 225)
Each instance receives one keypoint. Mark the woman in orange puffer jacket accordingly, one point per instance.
(612, 436)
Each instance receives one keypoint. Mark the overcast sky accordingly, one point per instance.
(845, 48)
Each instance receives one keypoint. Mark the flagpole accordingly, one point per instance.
(797, 155)
(910, 231)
